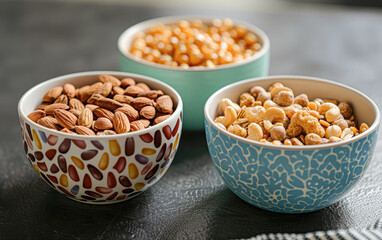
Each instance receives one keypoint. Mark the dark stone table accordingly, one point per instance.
(41, 40)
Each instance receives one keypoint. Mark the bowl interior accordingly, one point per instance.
(127, 37)
(363, 107)
(33, 98)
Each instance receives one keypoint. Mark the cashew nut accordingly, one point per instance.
(225, 102)
(220, 125)
(255, 132)
(230, 116)
(274, 114)
(256, 90)
(269, 103)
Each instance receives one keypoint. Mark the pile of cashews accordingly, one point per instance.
(278, 117)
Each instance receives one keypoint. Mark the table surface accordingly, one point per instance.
(41, 40)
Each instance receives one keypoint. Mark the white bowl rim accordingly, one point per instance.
(115, 136)
(127, 34)
(371, 129)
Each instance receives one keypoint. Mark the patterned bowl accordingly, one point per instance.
(291, 179)
(188, 82)
(99, 169)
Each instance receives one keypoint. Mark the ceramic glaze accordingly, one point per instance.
(292, 179)
(195, 85)
(100, 169)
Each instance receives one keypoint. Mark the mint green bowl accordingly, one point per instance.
(194, 85)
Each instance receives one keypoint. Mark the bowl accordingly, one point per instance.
(99, 169)
(292, 179)
(195, 85)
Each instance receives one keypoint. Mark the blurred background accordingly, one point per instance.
(339, 40)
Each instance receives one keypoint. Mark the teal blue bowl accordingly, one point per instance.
(292, 179)
(193, 85)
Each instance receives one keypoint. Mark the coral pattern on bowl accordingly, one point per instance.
(95, 171)
(292, 181)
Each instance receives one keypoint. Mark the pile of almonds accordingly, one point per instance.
(279, 117)
(109, 106)
(196, 43)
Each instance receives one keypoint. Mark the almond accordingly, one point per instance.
(152, 94)
(103, 123)
(143, 86)
(105, 89)
(164, 104)
(133, 91)
(94, 98)
(49, 122)
(62, 99)
(102, 112)
(136, 126)
(36, 115)
(42, 106)
(69, 90)
(91, 106)
(109, 78)
(74, 103)
(95, 87)
(84, 93)
(51, 108)
(52, 94)
(118, 91)
(148, 112)
(65, 118)
(75, 112)
(129, 111)
(121, 123)
(141, 102)
(85, 118)
(108, 103)
(161, 119)
(127, 82)
(146, 123)
(84, 131)
(123, 99)
(106, 132)
(65, 130)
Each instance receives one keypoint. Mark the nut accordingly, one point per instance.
(51, 108)
(74, 103)
(256, 90)
(69, 90)
(85, 118)
(52, 94)
(312, 139)
(65, 118)
(303, 101)
(284, 98)
(164, 104)
(36, 115)
(255, 132)
(278, 133)
(148, 112)
(103, 123)
(103, 112)
(345, 109)
(109, 78)
(129, 111)
(121, 123)
(84, 131)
